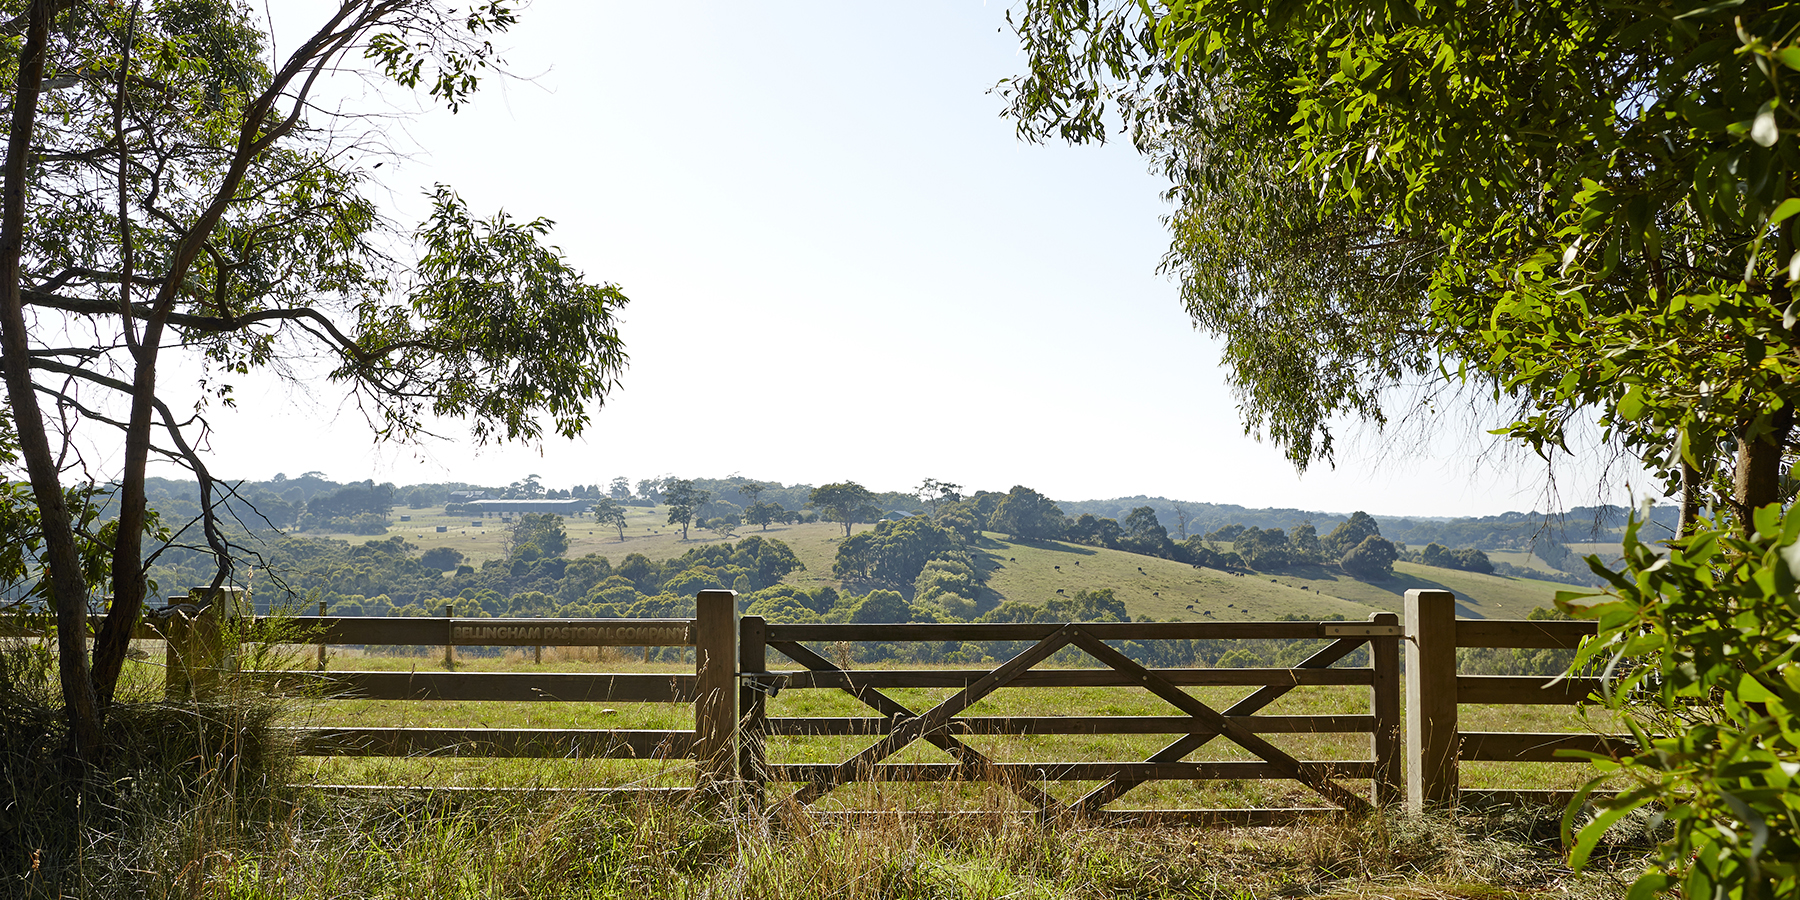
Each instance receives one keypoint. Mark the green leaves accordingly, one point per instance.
(499, 330)
(1595, 202)
(1700, 638)
(456, 57)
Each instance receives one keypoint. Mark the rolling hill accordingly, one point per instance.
(1166, 589)
(1033, 572)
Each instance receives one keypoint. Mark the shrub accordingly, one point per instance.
(881, 606)
(184, 789)
(1372, 559)
(441, 559)
(1703, 637)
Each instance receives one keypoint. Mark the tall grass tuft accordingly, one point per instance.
(184, 788)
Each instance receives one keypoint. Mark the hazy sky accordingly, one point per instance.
(843, 264)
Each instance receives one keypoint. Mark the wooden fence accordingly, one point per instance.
(196, 651)
(1434, 689)
(1412, 758)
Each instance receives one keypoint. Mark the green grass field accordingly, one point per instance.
(1173, 591)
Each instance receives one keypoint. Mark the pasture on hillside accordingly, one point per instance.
(1034, 571)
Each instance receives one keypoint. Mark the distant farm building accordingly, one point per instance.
(511, 507)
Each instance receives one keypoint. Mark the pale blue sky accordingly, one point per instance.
(843, 265)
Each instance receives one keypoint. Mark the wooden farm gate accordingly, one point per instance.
(1196, 724)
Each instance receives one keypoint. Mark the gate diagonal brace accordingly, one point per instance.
(933, 720)
(1249, 706)
(975, 765)
(1231, 730)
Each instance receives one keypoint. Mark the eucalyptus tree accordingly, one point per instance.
(175, 194)
(932, 492)
(684, 502)
(610, 513)
(1580, 206)
(844, 502)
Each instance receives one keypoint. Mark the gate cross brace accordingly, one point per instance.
(1231, 730)
(975, 764)
(934, 719)
(1187, 744)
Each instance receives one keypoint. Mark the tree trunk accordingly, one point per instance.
(1690, 500)
(63, 559)
(1757, 481)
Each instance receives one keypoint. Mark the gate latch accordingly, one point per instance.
(763, 682)
(1357, 629)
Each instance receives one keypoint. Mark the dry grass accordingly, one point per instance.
(566, 847)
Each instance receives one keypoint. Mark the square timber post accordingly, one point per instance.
(196, 641)
(1431, 737)
(715, 695)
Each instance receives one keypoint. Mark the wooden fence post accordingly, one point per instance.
(715, 699)
(195, 646)
(449, 637)
(1384, 701)
(1431, 738)
(321, 638)
(752, 702)
(177, 632)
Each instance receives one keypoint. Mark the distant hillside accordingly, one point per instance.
(1169, 590)
(1506, 531)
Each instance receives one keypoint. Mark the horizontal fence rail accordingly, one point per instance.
(1106, 631)
(515, 687)
(1434, 689)
(1076, 771)
(853, 679)
(817, 726)
(430, 631)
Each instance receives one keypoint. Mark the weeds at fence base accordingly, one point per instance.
(493, 844)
